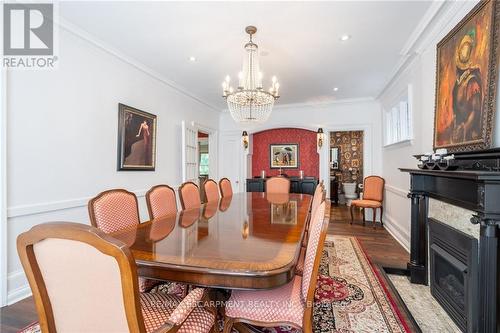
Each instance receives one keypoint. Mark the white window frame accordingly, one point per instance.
(398, 119)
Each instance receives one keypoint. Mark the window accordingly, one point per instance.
(204, 164)
(398, 124)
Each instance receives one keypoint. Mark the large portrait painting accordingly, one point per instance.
(284, 156)
(136, 139)
(467, 71)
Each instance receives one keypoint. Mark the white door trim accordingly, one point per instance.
(3, 188)
(213, 149)
(368, 148)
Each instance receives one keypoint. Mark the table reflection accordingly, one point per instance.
(246, 231)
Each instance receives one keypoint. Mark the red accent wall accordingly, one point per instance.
(308, 156)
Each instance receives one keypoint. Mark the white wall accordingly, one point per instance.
(62, 138)
(363, 114)
(420, 72)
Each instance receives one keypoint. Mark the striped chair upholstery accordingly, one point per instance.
(211, 190)
(101, 267)
(115, 210)
(161, 201)
(189, 194)
(226, 190)
(284, 305)
(278, 185)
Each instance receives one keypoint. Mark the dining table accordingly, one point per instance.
(244, 241)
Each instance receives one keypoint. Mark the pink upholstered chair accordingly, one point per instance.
(211, 190)
(226, 190)
(115, 210)
(161, 201)
(225, 203)
(278, 185)
(317, 199)
(373, 197)
(291, 304)
(106, 297)
(189, 195)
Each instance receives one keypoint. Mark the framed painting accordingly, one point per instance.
(284, 213)
(284, 156)
(466, 81)
(136, 139)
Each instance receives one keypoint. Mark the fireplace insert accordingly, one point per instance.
(454, 273)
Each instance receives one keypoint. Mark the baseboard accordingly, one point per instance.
(22, 290)
(400, 235)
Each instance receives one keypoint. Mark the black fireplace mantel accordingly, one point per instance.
(478, 191)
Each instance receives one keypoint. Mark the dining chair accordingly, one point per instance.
(291, 304)
(278, 185)
(373, 197)
(226, 190)
(161, 201)
(83, 280)
(211, 190)
(317, 199)
(115, 210)
(225, 203)
(189, 195)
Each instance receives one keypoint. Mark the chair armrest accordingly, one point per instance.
(187, 305)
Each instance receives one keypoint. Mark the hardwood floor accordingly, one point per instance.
(379, 245)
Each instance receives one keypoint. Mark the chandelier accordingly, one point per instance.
(249, 102)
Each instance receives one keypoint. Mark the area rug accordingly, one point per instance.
(350, 296)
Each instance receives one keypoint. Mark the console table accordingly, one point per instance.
(306, 185)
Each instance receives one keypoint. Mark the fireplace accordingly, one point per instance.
(454, 273)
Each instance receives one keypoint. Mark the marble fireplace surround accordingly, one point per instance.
(456, 217)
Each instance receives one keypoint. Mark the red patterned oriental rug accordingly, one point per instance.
(351, 295)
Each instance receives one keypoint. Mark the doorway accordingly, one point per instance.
(203, 161)
(346, 166)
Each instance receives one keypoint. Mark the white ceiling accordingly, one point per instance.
(301, 40)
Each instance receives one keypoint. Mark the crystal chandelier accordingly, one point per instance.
(249, 102)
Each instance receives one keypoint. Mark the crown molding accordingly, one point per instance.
(81, 33)
(345, 101)
(428, 29)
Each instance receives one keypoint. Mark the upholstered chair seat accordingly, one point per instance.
(279, 305)
(160, 310)
(367, 203)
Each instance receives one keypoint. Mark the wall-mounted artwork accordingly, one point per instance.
(136, 139)
(284, 156)
(467, 72)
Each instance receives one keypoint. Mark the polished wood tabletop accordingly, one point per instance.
(246, 241)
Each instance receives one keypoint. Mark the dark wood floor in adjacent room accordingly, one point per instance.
(379, 245)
